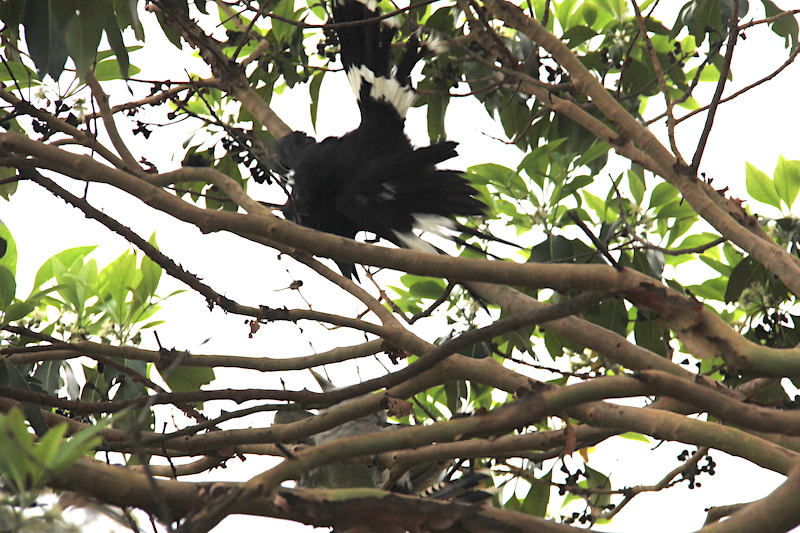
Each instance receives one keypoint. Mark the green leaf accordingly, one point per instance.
(16, 446)
(564, 11)
(649, 333)
(717, 265)
(114, 36)
(45, 450)
(111, 69)
(31, 465)
(118, 278)
(577, 35)
(48, 375)
(554, 344)
(437, 109)
(610, 314)
(17, 378)
(78, 285)
(597, 480)
(785, 27)
(45, 37)
(701, 17)
(83, 33)
(15, 72)
(535, 502)
(680, 226)
(68, 257)
(711, 289)
(11, 13)
(8, 249)
(283, 30)
(94, 388)
(171, 33)
(8, 288)
(16, 311)
(596, 151)
(79, 444)
(662, 194)
(699, 240)
(151, 275)
(6, 173)
(489, 173)
(429, 288)
(597, 205)
(127, 15)
(572, 187)
(313, 90)
(537, 161)
(559, 249)
(634, 436)
(761, 187)
(187, 378)
(708, 74)
(749, 271)
(636, 185)
(787, 180)
(618, 8)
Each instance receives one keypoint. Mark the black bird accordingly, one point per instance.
(372, 178)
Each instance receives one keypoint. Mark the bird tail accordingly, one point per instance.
(397, 193)
(366, 53)
(472, 487)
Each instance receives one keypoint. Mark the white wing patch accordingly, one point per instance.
(436, 224)
(435, 44)
(386, 89)
(412, 242)
(356, 75)
(426, 223)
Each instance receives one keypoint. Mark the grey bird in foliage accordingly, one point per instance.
(424, 480)
(346, 475)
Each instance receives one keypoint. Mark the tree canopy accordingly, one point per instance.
(619, 268)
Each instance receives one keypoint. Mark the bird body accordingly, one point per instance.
(425, 480)
(373, 179)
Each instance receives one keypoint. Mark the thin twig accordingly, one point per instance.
(82, 138)
(792, 56)
(661, 82)
(111, 128)
(169, 266)
(602, 248)
(665, 482)
(733, 34)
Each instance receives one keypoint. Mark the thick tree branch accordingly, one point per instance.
(769, 515)
(704, 333)
(165, 358)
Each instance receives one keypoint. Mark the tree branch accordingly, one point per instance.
(733, 35)
(111, 128)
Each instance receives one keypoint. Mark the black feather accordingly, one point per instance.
(372, 178)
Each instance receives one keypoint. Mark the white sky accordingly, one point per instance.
(758, 127)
